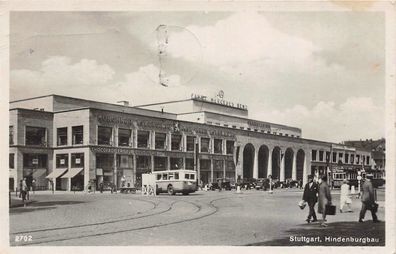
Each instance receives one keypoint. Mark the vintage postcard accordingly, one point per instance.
(198, 126)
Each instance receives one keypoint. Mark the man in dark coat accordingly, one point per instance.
(368, 200)
(310, 196)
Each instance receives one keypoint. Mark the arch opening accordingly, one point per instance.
(248, 160)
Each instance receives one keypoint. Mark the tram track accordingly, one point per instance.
(122, 218)
(124, 224)
(212, 210)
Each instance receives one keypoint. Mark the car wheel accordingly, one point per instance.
(171, 191)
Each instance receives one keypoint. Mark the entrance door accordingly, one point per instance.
(11, 184)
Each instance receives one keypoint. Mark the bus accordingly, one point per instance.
(175, 181)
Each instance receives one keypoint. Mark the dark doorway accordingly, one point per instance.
(248, 160)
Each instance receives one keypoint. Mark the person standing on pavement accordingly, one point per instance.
(368, 200)
(344, 196)
(33, 185)
(310, 196)
(24, 190)
(324, 199)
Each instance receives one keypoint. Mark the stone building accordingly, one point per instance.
(70, 143)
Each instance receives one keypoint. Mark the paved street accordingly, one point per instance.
(202, 218)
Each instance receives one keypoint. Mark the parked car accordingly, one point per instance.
(225, 184)
(262, 184)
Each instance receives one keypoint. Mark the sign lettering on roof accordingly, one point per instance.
(218, 100)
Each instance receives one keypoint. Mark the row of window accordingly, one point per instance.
(255, 130)
(41, 160)
(77, 136)
(348, 158)
(143, 163)
(143, 140)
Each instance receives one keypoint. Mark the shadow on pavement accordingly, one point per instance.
(34, 205)
(28, 209)
(362, 234)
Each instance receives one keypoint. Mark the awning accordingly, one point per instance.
(72, 172)
(56, 173)
(38, 173)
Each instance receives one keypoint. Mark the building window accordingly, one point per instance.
(105, 135)
(78, 135)
(35, 160)
(234, 126)
(340, 156)
(205, 145)
(62, 160)
(11, 160)
(61, 134)
(225, 125)
(346, 158)
(143, 163)
(218, 146)
(124, 161)
(229, 147)
(352, 159)
(160, 140)
(313, 155)
(204, 164)
(176, 142)
(249, 129)
(143, 139)
(368, 160)
(77, 160)
(11, 135)
(327, 156)
(190, 143)
(160, 163)
(357, 159)
(189, 163)
(334, 157)
(321, 155)
(176, 163)
(269, 132)
(35, 136)
(242, 128)
(124, 137)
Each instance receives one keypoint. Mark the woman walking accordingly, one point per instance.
(324, 199)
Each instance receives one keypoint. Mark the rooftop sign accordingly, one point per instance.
(218, 100)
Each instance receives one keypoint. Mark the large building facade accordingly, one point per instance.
(69, 143)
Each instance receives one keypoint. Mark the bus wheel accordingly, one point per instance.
(171, 191)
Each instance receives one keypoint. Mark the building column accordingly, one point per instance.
(115, 169)
(134, 170)
(211, 170)
(282, 167)
(255, 164)
(168, 166)
(269, 166)
(238, 167)
(224, 168)
(152, 140)
(152, 163)
(306, 167)
(294, 167)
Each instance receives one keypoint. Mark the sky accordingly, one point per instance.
(320, 71)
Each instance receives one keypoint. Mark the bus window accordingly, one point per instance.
(176, 176)
(170, 176)
(187, 176)
(165, 176)
(159, 177)
(192, 176)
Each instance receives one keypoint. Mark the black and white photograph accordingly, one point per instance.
(204, 127)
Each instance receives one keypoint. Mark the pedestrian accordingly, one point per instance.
(311, 197)
(368, 200)
(324, 199)
(24, 191)
(20, 188)
(344, 196)
(33, 185)
(101, 187)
